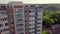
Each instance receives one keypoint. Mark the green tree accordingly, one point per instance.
(51, 18)
(56, 17)
(47, 20)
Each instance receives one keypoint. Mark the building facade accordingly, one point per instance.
(19, 18)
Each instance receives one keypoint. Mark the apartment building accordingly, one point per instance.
(19, 18)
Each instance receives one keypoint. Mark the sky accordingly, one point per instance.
(33, 1)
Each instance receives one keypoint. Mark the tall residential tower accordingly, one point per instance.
(19, 18)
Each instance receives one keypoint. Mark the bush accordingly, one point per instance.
(45, 32)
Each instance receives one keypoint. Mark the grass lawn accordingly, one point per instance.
(44, 32)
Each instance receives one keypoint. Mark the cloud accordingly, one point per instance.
(4, 1)
(33, 1)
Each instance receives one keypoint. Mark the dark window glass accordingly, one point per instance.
(39, 19)
(38, 30)
(38, 26)
(25, 28)
(39, 9)
(0, 19)
(18, 14)
(29, 11)
(5, 13)
(19, 19)
(26, 21)
(32, 10)
(25, 11)
(1, 25)
(1, 30)
(25, 25)
(31, 15)
(19, 29)
(3, 7)
(19, 25)
(6, 29)
(21, 33)
(10, 13)
(38, 22)
(4, 19)
(6, 24)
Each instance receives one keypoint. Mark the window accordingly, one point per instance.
(0, 19)
(31, 20)
(39, 19)
(19, 25)
(31, 24)
(1, 25)
(19, 29)
(31, 28)
(3, 7)
(0, 30)
(25, 11)
(26, 29)
(32, 10)
(31, 15)
(6, 24)
(38, 22)
(19, 19)
(25, 25)
(32, 32)
(7, 33)
(4, 19)
(6, 29)
(18, 14)
(38, 26)
(4, 13)
(39, 9)
(1, 13)
(21, 33)
(26, 20)
(19, 10)
(38, 30)
(38, 33)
